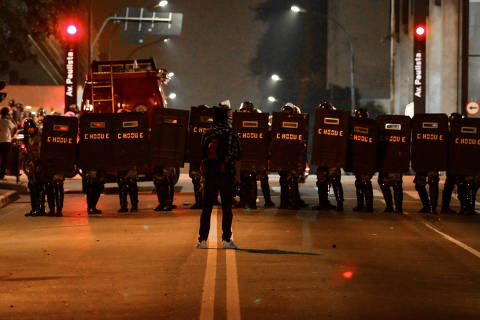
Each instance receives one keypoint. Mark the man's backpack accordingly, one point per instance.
(215, 153)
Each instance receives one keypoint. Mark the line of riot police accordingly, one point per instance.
(158, 143)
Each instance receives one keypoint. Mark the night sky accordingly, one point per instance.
(210, 59)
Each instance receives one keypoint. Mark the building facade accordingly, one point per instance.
(452, 58)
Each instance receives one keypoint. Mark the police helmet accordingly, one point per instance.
(360, 113)
(247, 106)
(288, 108)
(326, 105)
(454, 116)
(297, 110)
(28, 123)
(41, 112)
(11, 103)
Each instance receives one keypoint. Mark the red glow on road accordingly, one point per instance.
(420, 31)
(348, 274)
(72, 30)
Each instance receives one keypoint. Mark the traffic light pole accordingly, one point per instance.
(420, 8)
(116, 18)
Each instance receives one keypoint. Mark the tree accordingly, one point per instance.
(21, 18)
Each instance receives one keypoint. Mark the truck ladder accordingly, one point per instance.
(100, 86)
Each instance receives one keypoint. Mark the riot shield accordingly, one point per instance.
(59, 145)
(252, 130)
(429, 142)
(464, 147)
(201, 119)
(394, 143)
(288, 149)
(169, 134)
(362, 152)
(330, 138)
(95, 148)
(130, 140)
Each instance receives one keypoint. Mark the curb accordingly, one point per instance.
(8, 197)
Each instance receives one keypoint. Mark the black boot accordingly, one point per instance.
(34, 200)
(163, 196)
(447, 195)
(368, 196)
(360, 197)
(122, 195)
(133, 193)
(59, 195)
(398, 197)
(323, 203)
(387, 196)
(197, 189)
(422, 193)
(266, 193)
(338, 191)
(96, 192)
(433, 190)
(283, 193)
(252, 193)
(50, 193)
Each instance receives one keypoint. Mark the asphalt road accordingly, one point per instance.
(290, 264)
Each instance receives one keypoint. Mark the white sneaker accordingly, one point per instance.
(202, 245)
(229, 245)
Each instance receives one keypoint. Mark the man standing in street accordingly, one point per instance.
(7, 129)
(220, 151)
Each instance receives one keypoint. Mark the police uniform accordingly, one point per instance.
(127, 186)
(163, 179)
(31, 162)
(328, 176)
(95, 181)
(394, 181)
(289, 191)
(195, 174)
(450, 180)
(363, 180)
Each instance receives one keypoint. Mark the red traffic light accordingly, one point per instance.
(72, 29)
(420, 31)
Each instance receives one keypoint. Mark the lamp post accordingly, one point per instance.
(296, 9)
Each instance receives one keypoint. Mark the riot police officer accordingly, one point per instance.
(31, 162)
(248, 178)
(289, 191)
(328, 177)
(450, 180)
(363, 180)
(127, 185)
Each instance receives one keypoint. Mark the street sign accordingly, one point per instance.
(140, 22)
(472, 108)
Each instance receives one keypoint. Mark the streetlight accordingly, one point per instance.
(275, 77)
(297, 9)
(171, 74)
(271, 99)
(172, 96)
(162, 3)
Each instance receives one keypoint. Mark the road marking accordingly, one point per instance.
(207, 310)
(307, 237)
(233, 298)
(451, 239)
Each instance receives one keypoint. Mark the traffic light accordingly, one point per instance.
(70, 31)
(3, 95)
(420, 31)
